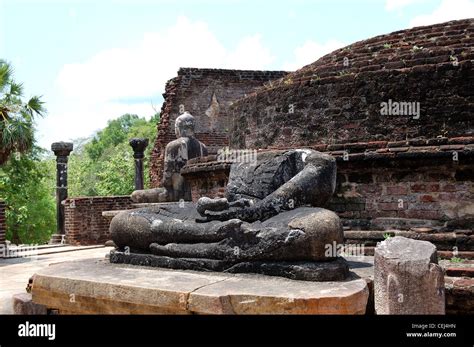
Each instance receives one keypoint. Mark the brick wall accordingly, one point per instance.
(3, 226)
(338, 98)
(404, 192)
(207, 95)
(459, 295)
(207, 177)
(84, 222)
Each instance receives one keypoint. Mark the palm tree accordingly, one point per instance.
(16, 116)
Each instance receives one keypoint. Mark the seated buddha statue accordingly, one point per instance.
(177, 153)
(270, 222)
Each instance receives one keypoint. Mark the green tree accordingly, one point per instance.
(16, 115)
(116, 174)
(104, 166)
(115, 133)
(27, 186)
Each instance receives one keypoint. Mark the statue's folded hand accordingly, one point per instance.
(247, 214)
(223, 215)
(206, 204)
(241, 203)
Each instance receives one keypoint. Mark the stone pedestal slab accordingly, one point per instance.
(99, 287)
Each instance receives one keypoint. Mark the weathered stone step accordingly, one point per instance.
(459, 272)
(459, 295)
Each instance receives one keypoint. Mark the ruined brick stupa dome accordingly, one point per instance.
(368, 91)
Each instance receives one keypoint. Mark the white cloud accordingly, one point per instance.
(391, 5)
(72, 13)
(100, 88)
(310, 51)
(249, 54)
(142, 70)
(446, 11)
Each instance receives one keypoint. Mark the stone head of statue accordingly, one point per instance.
(184, 125)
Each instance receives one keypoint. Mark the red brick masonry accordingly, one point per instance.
(459, 295)
(337, 99)
(84, 222)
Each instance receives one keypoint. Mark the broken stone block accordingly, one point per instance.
(23, 304)
(407, 278)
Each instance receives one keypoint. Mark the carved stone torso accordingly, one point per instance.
(178, 152)
(256, 180)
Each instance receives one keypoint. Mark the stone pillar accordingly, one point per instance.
(62, 151)
(3, 225)
(138, 146)
(407, 278)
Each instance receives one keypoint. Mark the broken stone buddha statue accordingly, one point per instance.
(270, 222)
(177, 153)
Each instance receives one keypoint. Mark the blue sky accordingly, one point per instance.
(95, 60)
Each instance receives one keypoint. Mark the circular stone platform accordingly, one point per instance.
(94, 286)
